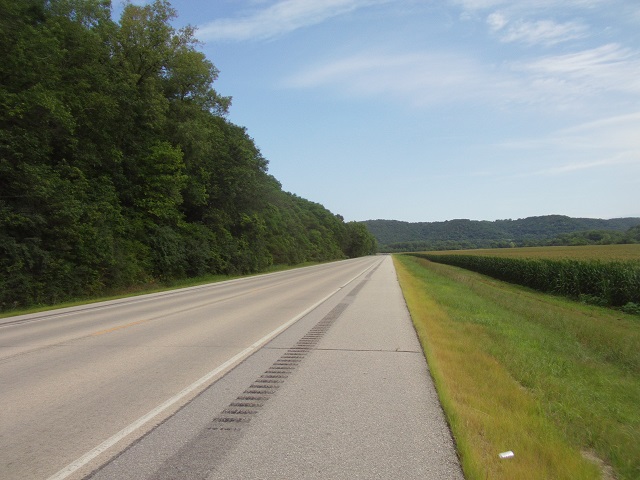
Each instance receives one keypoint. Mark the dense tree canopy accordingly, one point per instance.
(396, 236)
(118, 165)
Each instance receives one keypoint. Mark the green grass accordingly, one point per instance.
(144, 289)
(613, 283)
(553, 380)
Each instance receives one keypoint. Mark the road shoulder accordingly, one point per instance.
(356, 402)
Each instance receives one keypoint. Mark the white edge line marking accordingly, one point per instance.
(110, 442)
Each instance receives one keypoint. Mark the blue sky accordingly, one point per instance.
(430, 110)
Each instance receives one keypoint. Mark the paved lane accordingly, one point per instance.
(72, 378)
(344, 393)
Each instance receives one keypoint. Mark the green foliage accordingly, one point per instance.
(597, 237)
(359, 241)
(395, 236)
(631, 308)
(580, 364)
(118, 167)
(613, 283)
(159, 180)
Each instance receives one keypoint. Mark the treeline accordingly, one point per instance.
(596, 237)
(395, 236)
(119, 167)
(589, 237)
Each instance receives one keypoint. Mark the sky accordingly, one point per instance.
(432, 110)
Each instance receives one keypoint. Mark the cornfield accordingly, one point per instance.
(611, 283)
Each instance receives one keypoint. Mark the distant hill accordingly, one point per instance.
(462, 233)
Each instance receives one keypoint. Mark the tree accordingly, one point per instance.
(360, 242)
(118, 165)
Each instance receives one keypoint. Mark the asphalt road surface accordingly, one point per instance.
(309, 373)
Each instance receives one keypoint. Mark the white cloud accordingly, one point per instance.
(526, 5)
(585, 79)
(497, 21)
(615, 134)
(627, 121)
(279, 18)
(544, 32)
(474, 5)
(519, 21)
(610, 142)
(618, 132)
(609, 68)
(419, 79)
(624, 158)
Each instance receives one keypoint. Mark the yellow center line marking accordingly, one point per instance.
(194, 307)
(119, 327)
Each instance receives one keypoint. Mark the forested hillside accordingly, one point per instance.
(393, 235)
(118, 165)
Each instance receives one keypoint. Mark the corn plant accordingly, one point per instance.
(608, 283)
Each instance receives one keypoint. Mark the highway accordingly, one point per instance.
(308, 373)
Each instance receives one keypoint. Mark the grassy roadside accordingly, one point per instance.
(145, 289)
(554, 381)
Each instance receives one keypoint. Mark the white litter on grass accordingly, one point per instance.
(508, 454)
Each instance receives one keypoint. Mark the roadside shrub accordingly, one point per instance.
(632, 308)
